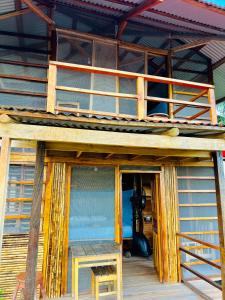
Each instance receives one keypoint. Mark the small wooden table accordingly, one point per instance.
(94, 254)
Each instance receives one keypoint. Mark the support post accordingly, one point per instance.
(170, 86)
(118, 208)
(52, 78)
(4, 166)
(220, 198)
(31, 265)
(141, 97)
(212, 102)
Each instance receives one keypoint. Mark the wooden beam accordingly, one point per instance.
(191, 45)
(143, 6)
(212, 102)
(4, 165)
(79, 153)
(109, 155)
(15, 13)
(35, 9)
(51, 94)
(193, 99)
(220, 198)
(135, 157)
(131, 75)
(107, 138)
(132, 46)
(121, 150)
(31, 265)
(171, 132)
(5, 119)
(141, 98)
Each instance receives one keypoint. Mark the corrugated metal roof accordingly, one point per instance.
(181, 16)
(215, 3)
(7, 6)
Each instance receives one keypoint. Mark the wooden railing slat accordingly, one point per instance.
(211, 263)
(203, 277)
(207, 244)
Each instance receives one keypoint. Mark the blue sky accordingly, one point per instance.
(218, 2)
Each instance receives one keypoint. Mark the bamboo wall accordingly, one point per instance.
(56, 211)
(169, 219)
(13, 261)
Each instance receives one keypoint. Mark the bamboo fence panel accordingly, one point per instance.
(171, 207)
(13, 261)
(56, 229)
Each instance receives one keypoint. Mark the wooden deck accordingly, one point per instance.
(140, 282)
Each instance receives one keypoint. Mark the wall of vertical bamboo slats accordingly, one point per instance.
(13, 261)
(55, 229)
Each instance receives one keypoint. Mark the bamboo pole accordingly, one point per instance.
(4, 165)
(31, 267)
(220, 198)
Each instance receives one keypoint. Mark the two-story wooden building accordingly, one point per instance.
(101, 100)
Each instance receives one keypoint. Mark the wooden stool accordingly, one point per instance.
(20, 280)
(103, 276)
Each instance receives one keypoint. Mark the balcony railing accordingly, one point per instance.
(215, 264)
(198, 98)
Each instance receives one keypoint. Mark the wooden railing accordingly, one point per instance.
(185, 249)
(141, 97)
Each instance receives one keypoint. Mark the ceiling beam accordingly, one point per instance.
(137, 10)
(135, 157)
(191, 45)
(170, 15)
(78, 154)
(121, 150)
(109, 155)
(35, 9)
(171, 132)
(15, 13)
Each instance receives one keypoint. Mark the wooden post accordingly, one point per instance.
(4, 165)
(141, 98)
(212, 102)
(220, 198)
(31, 266)
(170, 86)
(118, 206)
(52, 79)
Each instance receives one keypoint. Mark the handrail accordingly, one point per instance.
(140, 97)
(211, 263)
(207, 244)
(203, 277)
(126, 74)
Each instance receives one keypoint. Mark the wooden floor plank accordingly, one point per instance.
(141, 282)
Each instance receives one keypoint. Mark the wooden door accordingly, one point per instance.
(156, 214)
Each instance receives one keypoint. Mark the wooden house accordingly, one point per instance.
(97, 97)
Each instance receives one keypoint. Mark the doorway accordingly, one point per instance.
(141, 226)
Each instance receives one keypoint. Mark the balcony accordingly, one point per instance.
(101, 92)
(197, 101)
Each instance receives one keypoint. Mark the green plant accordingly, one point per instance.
(1, 295)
